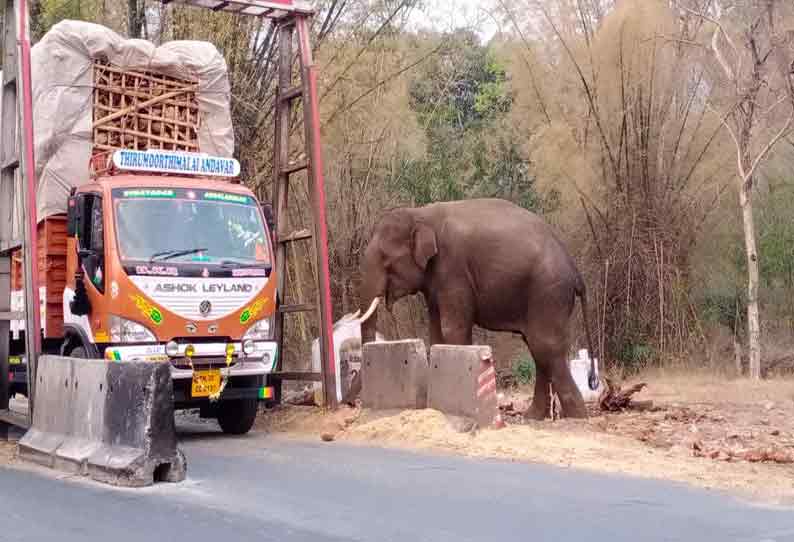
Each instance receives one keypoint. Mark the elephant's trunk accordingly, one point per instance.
(373, 287)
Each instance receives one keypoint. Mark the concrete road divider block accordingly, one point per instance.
(394, 375)
(139, 438)
(462, 382)
(112, 421)
(52, 417)
(87, 399)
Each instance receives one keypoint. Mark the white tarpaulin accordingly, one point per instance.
(62, 77)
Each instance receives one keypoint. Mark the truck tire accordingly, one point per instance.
(78, 352)
(237, 416)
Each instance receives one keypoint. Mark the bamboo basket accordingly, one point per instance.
(142, 110)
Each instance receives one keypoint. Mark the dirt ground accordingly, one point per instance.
(7, 450)
(711, 432)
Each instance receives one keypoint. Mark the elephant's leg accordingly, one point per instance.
(564, 386)
(457, 316)
(436, 336)
(456, 331)
(549, 350)
(539, 408)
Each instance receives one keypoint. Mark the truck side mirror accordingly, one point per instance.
(72, 216)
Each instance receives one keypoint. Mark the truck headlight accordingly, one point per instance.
(127, 331)
(260, 331)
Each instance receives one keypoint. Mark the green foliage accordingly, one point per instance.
(776, 238)
(524, 369)
(634, 356)
(728, 310)
(47, 13)
(724, 300)
(461, 86)
(507, 174)
(461, 98)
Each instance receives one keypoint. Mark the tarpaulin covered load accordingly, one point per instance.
(63, 95)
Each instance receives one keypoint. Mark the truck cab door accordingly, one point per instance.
(93, 242)
(86, 221)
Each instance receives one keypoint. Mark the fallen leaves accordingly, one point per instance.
(758, 455)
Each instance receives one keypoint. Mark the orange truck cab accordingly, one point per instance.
(169, 267)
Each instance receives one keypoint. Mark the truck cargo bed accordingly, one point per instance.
(52, 272)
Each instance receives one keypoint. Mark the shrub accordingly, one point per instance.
(524, 369)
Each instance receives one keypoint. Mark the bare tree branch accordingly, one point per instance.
(783, 131)
(535, 88)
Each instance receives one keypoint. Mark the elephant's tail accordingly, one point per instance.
(592, 377)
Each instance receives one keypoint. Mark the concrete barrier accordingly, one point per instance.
(113, 422)
(394, 375)
(462, 382)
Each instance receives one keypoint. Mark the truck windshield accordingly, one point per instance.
(189, 227)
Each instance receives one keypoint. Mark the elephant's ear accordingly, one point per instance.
(425, 246)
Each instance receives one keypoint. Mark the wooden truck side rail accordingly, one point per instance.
(51, 270)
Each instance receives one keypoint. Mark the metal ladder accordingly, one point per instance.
(17, 220)
(292, 21)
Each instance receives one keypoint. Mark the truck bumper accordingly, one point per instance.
(260, 362)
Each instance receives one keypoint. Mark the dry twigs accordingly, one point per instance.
(613, 399)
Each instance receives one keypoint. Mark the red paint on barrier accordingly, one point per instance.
(486, 390)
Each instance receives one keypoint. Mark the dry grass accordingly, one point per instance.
(701, 386)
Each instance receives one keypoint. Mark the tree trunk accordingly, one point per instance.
(753, 318)
(134, 18)
(34, 14)
(737, 355)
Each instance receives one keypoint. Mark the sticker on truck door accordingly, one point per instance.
(149, 310)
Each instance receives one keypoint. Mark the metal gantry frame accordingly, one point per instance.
(18, 220)
(291, 18)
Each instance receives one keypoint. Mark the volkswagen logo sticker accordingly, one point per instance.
(205, 307)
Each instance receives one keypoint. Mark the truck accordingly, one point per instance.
(159, 256)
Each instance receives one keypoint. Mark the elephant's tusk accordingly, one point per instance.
(370, 311)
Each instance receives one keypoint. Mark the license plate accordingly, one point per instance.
(205, 383)
(14, 360)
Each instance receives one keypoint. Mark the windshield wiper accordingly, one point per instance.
(232, 264)
(168, 254)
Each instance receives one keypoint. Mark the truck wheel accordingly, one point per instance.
(237, 416)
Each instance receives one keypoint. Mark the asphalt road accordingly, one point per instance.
(263, 489)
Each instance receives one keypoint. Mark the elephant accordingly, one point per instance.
(484, 262)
